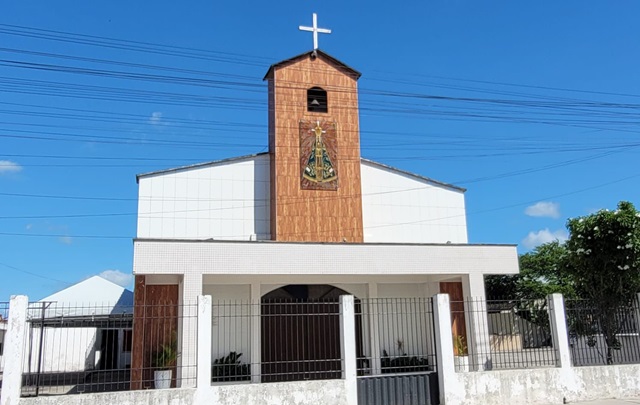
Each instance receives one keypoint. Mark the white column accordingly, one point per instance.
(348, 347)
(374, 329)
(477, 322)
(204, 342)
(256, 335)
(14, 350)
(447, 378)
(188, 330)
(558, 322)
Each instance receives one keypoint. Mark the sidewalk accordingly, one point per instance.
(626, 401)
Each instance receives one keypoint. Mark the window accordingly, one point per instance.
(316, 100)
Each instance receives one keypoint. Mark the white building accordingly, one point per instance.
(85, 327)
(309, 219)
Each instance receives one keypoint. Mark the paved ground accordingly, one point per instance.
(627, 401)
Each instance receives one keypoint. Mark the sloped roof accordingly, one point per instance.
(340, 65)
(415, 176)
(246, 157)
(93, 296)
(199, 165)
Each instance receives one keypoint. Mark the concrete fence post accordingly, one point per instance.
(447, 378)
(204, 342)
(14, 350)
(256, 335)
(348, 348)
(636, 311)
(559, 334)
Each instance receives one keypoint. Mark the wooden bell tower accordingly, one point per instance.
(314, 145)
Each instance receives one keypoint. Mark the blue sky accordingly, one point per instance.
(532, 106)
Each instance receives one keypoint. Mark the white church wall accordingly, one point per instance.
(227, 200)
(64, 350)
(231, 322)
(403, 323)
(401, 208)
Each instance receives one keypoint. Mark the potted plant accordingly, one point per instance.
(403, 363)
(163, 362)
(229, 368)
(461, 353)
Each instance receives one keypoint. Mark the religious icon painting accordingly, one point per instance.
(318, 155)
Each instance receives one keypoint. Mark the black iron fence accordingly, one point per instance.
(276, 340)
(99, 348)
(395, 335)
(600, 335)
(4, 317)
(518, 333)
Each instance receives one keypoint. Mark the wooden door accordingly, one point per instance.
(458, 324)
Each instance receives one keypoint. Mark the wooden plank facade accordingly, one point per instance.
(458, 321)
(308, 215)
(155, 323)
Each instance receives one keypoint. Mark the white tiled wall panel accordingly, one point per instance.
(400, 208)
(228, 200)
(213, 257)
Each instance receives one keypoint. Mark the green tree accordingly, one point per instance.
(603, 261)
(540, 275)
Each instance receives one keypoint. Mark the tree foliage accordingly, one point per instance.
(603, 261)
(603, 254)
(540, 275)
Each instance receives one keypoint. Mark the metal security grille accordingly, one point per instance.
(397, 360)
(4, 324)
(519, 335)
(298, 340)
(599, 335)
(82, 349)
(397, 336)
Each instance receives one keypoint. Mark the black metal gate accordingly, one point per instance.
(401, 389)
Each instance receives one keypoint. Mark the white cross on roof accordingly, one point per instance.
(315, 31)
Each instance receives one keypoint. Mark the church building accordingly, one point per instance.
(310, 219)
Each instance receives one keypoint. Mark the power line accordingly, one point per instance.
(375, 226)
(34, 274)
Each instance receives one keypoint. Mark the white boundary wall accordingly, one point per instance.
(338, 392)
(291, 393)
(533, 386)
(546, 385)
(556, 385)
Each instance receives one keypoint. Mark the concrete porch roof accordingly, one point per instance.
(161, 256)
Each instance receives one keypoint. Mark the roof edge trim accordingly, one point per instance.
(318, 52)
(197, 165)
(417, 176)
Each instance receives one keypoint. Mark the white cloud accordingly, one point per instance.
(155, 118)
(543, 209)
(7, 167)
(118, 277)
(534, 239)
(67, 240)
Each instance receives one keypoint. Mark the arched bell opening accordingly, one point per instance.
(300, 327)
(317, 100)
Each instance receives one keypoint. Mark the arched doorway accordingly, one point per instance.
(300, 330)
